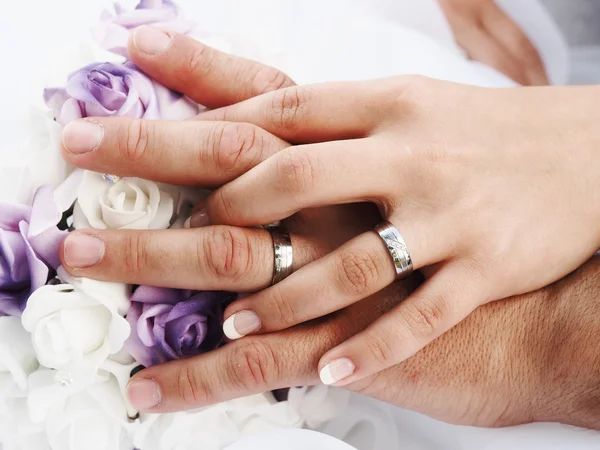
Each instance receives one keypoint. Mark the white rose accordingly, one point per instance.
(95, 418)
(317, 405)
(49, 391)
(17, 432)
(75, 327)
(34, 162)
(130, 203)
(17, 357)
(216, 426)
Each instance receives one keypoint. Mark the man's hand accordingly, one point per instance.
(522, 360)
(488, 35)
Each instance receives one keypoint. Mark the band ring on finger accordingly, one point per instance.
(397, 247)
(282, 247)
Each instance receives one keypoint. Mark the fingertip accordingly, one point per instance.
(241, 324)
(144, 394)
(82, 136)
(149, 42)
(337, 372)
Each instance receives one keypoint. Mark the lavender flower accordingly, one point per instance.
(169, 324)
(29, 242)
(113, 32)
(104, 90)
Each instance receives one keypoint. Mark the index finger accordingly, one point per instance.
(208, 76)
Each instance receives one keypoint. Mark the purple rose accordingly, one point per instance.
(103, 90)
(169, 324)
(113, 32)
(29, 242)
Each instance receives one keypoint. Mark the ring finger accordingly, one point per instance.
(211, 258)
(358, 269)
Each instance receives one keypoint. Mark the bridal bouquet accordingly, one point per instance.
(68, 346)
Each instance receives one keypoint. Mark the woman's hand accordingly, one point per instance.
(495, 192)
(490, 36)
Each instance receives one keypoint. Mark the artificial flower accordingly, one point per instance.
(130, 203)
(104, 90)
(217, 426)
(75, 327)
(17, 358)
(93, 419)
(29, 242)
(169, 324)
(114, 29)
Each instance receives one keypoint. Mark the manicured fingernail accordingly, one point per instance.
(151, 41)
(83, 251)
(199, 219)
(336, 371)
(82, 136)
(144, 395)
(241, 324)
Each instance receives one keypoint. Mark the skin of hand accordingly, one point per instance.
(528, 359)
(490, 36)
(505, 373)
(492, 190)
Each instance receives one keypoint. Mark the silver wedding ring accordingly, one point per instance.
(397, 247)
(282, 246)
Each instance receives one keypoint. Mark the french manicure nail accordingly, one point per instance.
(151, 41)
(82, 136)
(83, 251)
(144, 395)
(336, 371)
(241, 324)
(199, 219)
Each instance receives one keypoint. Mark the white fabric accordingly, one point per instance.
(314, 41)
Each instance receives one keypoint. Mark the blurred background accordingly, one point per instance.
(580, 22)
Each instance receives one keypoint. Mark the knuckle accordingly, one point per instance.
(234, 146)
(286, 107)
(252, 365)
(411, 92)
(137, 257)
(281, 310)
(199, 62)
(222, 206)
(379, 348)
(268, 79)
(188, 387)
(425, 317)
(227, 252)
(296, 171)
(135, 140)
(357, 272)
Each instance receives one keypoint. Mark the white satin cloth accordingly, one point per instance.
(315, 41)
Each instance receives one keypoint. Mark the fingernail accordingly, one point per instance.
(199, 219)
(336, 371)
(83, 251)
(143, 395)
(82, 136)
(151, 41)
(241, 324)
